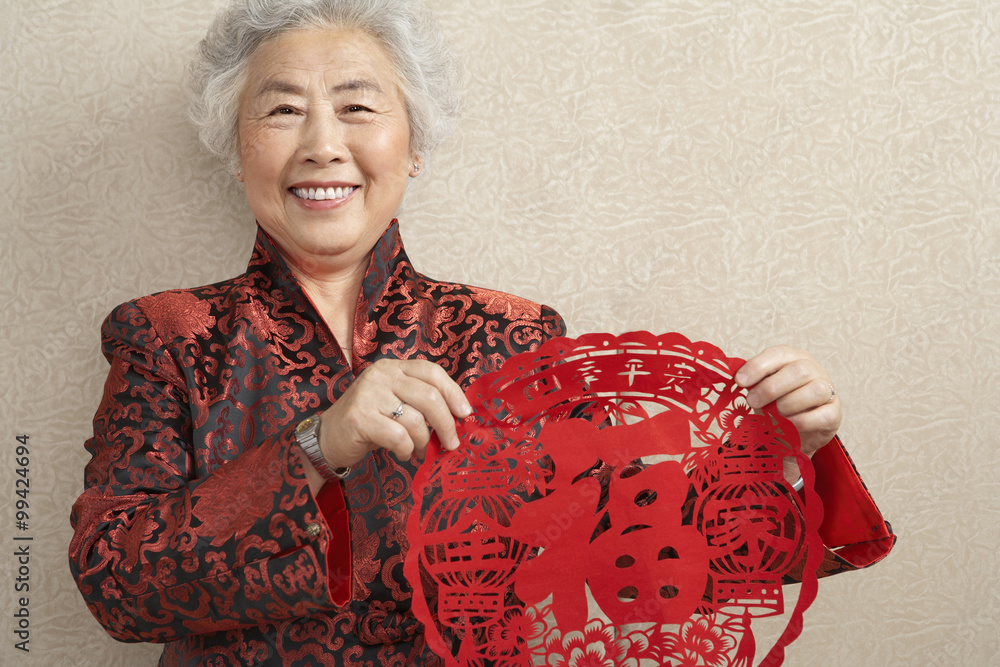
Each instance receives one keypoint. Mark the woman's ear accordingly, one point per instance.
(418, 164)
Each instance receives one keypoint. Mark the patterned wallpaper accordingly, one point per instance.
(819, 173)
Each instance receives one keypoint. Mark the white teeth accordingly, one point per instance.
(322, 194)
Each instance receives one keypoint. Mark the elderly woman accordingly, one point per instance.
(253, 451)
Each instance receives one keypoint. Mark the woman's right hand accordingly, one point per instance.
(361, 420)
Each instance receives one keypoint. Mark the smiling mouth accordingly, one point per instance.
(322, 194)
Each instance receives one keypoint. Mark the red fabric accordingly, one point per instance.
(853, 527)
(330, 500)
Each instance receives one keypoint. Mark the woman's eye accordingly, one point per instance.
(282, 111)
(354, 108)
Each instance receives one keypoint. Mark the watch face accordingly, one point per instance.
(305, 425)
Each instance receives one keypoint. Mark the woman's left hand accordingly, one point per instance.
(801, 389)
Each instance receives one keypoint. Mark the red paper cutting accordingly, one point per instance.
(615, 501)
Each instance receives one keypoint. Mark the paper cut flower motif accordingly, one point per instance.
(702, 643)
(515, 632)
(595, 646)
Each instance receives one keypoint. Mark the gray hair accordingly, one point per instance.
(424, 65)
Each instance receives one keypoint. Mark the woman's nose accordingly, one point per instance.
(323, 138)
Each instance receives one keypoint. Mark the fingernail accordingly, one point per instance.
(454, 443)
(741, 379)
(464, 410)
(752, 400)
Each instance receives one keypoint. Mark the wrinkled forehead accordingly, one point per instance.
(346, 58)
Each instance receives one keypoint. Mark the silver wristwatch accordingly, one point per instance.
(307, 437)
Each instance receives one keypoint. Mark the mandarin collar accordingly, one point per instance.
(388, 266)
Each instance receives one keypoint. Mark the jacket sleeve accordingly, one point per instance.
(159, 552)
(853, 530)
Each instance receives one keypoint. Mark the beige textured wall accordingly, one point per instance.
(822, 172)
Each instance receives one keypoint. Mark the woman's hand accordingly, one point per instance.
(362, 419)
(801, 389)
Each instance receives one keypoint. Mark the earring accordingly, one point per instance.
(239, 172)
(416, 168)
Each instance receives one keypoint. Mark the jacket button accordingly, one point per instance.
(313, 530)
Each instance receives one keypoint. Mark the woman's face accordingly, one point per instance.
(324, 145)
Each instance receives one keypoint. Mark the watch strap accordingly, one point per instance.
(307, 437)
